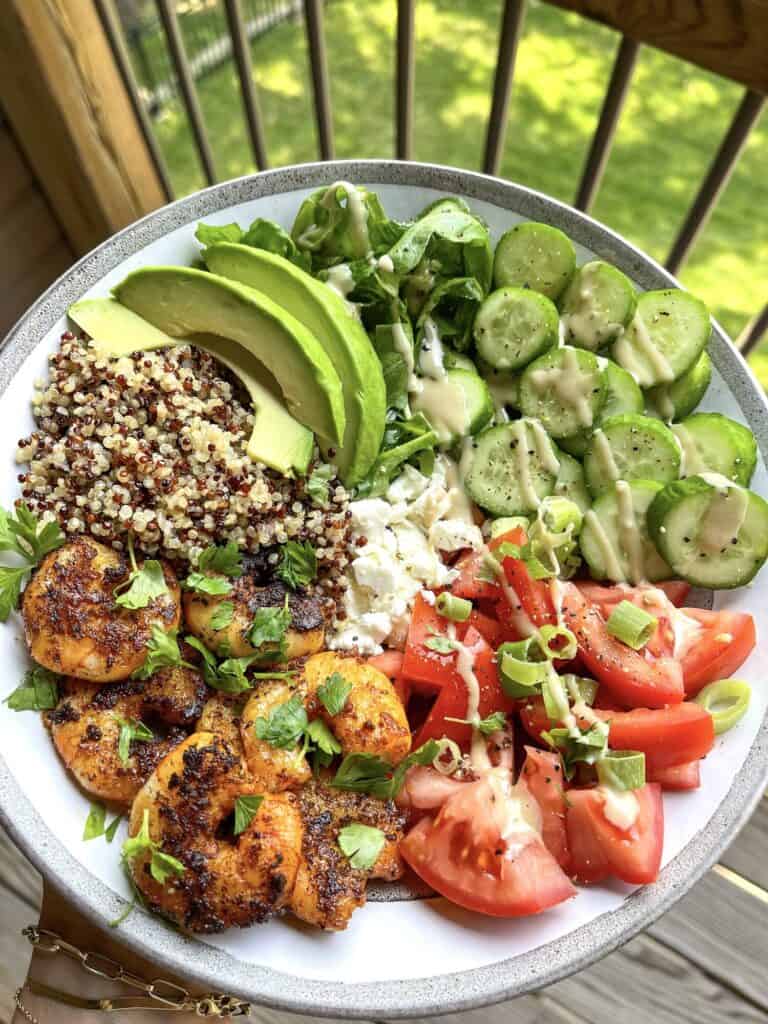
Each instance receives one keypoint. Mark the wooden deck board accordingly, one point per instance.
(748, 855)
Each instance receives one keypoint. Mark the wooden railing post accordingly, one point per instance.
(65, 99)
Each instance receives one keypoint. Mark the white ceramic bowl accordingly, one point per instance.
(399, 957)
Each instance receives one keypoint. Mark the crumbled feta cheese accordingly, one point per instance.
(454, 534)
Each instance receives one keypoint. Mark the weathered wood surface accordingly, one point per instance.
(69, 109)
(702, 963)
(724, 36)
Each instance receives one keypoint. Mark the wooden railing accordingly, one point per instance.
(728, 37)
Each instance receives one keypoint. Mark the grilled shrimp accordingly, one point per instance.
(85, 728)
(189, 799)
(305, 636)
(222, 713)
(72, 623)
(328, 889)
(372, 720)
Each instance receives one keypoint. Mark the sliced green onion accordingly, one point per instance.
(447, 747)
(522, 667)
(501, 526)
(630, 624)
(727, 701)
(555, 698)
(560, 515)
(565, 650)
(455, 608)
(524, 650)
(622, 769)
(580, 689)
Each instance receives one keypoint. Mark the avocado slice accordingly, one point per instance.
(183, 301)
(343, 337)
(277, 439)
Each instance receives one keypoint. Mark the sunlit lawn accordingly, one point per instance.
(671, 126)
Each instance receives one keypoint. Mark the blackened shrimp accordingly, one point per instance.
(225, 880)
(73, 625)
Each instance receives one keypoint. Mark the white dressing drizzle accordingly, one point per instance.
(518, 617)
(524, 481)
(572, 387)
(459, 504)
(431, 354)
(620, 807)
(665, 406)
(385, 263)
(340, 280)
(403, 346)
(627, 355)
(544, 447)
(608, 553)
(604, 455)
(629, 531)
(444, 403)
(502, 395)
(726, 513)
(584, 322)
(691, 461)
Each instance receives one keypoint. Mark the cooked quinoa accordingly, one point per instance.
(155, 444)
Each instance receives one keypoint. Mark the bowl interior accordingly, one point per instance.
(382, 963)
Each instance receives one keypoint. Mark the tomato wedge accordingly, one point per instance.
(603, 594)
(667, 736)
(470, 583)
(488, 628)
(391, 664)
(535, 596)
(420, 664)
(543, 775)
(677, 776)
(461, 853)
(634, 678)
(599, 849)
(426, 789)
(452, 699)
(725, 644)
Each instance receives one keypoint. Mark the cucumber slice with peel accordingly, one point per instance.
(565, 389)
(713, 532)
(667, 335)
(457, 405)
(513, 467)
(615, 539)
(536, 256)
(514, 326)
(675, 401)
(622, 395)
(711, 442)
(596, 306)
(631, 447)
(570, 481)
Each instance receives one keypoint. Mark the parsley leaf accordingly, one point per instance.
(493, 723)
(143, 584)
(161, 864)
(131, 729)
(368, 773)
(268, 631)
(317, 484)
(201, 583)
(26, 536)
(229, 675)
(298, 566)
(361, 844)
(11, 580)
(223, 615)
(94, 823)
(334, 692)
(224, 559)
(441, 644)
(586, 748)
(111, 829)
(320, 740)
(285, 725)
(162, 652)
(245, 811)
(38, 692)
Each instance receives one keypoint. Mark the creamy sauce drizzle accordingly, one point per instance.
(584, 322)
(620, 807)
(608, 553)
(524, 481)
(572, 387)
(726, 513)
(459, 504)
(627, 354)
(444, 404)
(691, 461)
(604, 455)
(431, 355)
(403, 346)
(629, 531)
(544, 447)
(358, 213)
(664, 405)
(340, 280)
(385, 263)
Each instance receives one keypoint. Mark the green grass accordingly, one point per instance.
(672, 124)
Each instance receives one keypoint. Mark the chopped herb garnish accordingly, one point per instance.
(11, 580)
(369, 773)
(441, 644)
(298, 565)
(94, 823)
(225, 559)
(130, 730)
(285, 725)
(162, 652)
(202, 583)
(24, 534)
(361, 844)
(324, 746)
(38, 692)
(229, 675)
(267, 633)
(334, 692)
(161, 864)
(245, 811)
(223, 615)
(317, 484)
(143, 584)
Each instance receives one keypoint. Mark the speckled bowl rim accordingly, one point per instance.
(216, 970)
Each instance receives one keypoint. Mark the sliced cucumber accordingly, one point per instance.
(666, 336)
(513, 326)
(456, 404)
(677, 400)
(615, 540)
(622, 395)
(457, 361)
(597, 304)
(565, 389)
(713, 443)
(536, 256)
(570, 481)
(713, 533)
(631, 447)
(514, 466)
